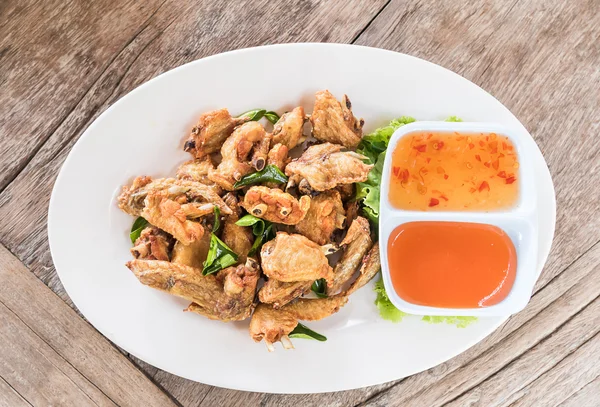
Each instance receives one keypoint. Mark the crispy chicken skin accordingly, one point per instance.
(290, 258)
(278, 156)
(153, 244)
(278, 293)
(197, 170)
(288, 129)
(274, 205)
(325, 215)
(334, 122)
(131, 200)
(170, 216)
(260, 152)
(207, 293)
(238, 238)
(212, 130)
(235, 151)
(357, 242)
(371, 264)
(194, 254)
(325, 166)
(306, 309)
(272, 326)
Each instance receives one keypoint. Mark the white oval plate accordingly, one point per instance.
(142, 134)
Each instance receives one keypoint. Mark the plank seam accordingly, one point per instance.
(580, 389)
(16, 391)
(369, 22)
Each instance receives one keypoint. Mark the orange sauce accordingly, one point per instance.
(453, 171)
(451, 264)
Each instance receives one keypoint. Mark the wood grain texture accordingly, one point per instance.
(50, 356)
(62, 64)
(10, 397)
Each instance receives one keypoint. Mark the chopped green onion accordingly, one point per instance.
(254, 115)
(219, 256)
(272, 116)
(268, 174)
(302, 331)
(217, 223)
(261, 229)
(136, 229)
(319, 287)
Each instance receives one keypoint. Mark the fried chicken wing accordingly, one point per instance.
(278, 156)
(357, 242)
(371, 264)
(274, 205)
(235, 163)
(197, 170)
(212, 130)
(290, 258)
(272, 326)
(334, 122)
(325, 215)
(192, 255)
(207, 293)
(260, 152)
(131, 200)
(306, 309)
(153, 244)
(325, 166)
(278, 293)
(238, 238)
(169, 216)
(288, 129)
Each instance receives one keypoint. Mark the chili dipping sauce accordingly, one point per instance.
(454, 171)
(451, 264)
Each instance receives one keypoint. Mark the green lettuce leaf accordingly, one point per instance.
(385, 306)
(460, 322)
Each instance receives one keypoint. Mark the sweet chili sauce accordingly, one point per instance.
(451, 264)
(454, 171)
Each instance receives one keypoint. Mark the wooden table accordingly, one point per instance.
(63, 62)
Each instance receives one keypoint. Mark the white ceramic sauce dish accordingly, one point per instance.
(519, 222)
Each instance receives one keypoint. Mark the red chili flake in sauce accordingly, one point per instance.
(496, 164)
(478, 157)
(471, 190)
(502, 174)
(504, 145)
(444, 197)
(445, 176)
(421, 148)
(471, 146)
(403, 175)
(481, 143)
(428, 159)
(484, 185)
(487, 164)
(396, 171)
(438, 145)
(433, 202)
(510, 180)
(493, 145)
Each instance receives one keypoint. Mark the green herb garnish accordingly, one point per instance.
(302, 331)
(261, 229)
(319, 287)
(272, 116)
(217, 223)
(254, 115)
(219, 256)
(268, 174)
(136, 229)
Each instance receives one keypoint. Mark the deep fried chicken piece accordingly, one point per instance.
(274, 205)
(278, 156)
(357, 242)
(131, 199)
(278, 293)
(153, 244)
(260, 152)
(288, 129)
(197, 170)
(238, 238)
(306, 309)
(194, 254)
(346, 191)
(290, 258)
(206, 292)
(325, 166)
(371, 264)
(325, 215)
(171, 217)
(272, 326)
(212, 130)
(334, 122)
(235, 151)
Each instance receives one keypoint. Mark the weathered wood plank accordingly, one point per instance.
(48, 352)
(449, 380)
(586, 397)
(9, 397)
(529, 376)
(50, 54)
(38, 373)
(570, 375)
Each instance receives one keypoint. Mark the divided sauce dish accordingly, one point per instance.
(518, 219)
